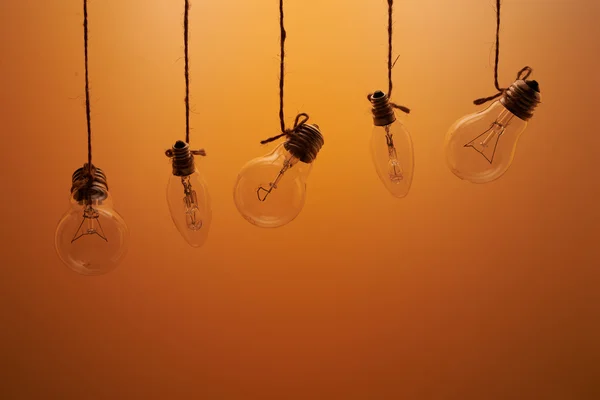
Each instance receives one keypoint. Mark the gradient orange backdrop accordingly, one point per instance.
(456, 292)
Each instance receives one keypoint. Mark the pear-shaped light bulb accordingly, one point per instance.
(391, 147)
(91, 238)
(187, 196)
(480, 147)
(270, 191)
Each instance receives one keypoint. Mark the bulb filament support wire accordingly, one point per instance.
(495, 129)
(273, 185)
(92, 216)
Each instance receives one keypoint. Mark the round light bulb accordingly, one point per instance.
(188, 197)
(480, 147)
(91, 238)
(270, 191)
(391, 147)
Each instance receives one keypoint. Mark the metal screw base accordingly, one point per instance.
(521, 98)
(305, 142)
(86, 188)
(182, 159)
(383, 112)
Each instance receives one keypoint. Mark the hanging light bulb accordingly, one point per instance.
(270, 190)
(480, 147)
(391, 147)
(91, 238)
(187, 195)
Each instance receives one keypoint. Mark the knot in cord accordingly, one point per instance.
(521, 75)
(402, 108)
(200, 152)
(300, 120)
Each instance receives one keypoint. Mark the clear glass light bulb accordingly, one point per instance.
(391, 147)
(91, 238)
(187, 195)
(480, 147)
(189, 203)
(393, 157)
(270, 191)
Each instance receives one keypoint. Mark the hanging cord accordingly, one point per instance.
(179, 146)
(522, 74)
(301, 118)
(390, 63)
(187, 70)
(88, 182)
(90, 168)
(282, 38)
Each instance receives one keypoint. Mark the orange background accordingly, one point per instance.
(456, 292)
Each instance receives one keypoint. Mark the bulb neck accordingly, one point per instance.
(305, 142)
(521, 98)
(383, 112)
(88, 188)
(182, 159)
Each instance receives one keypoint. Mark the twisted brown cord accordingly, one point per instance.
(281, 65)
(390, 63)
(390, 48)
(200, 152)
(520, 75)
(300, 120)
(90, 171)
(187, 71)
(496, 84)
